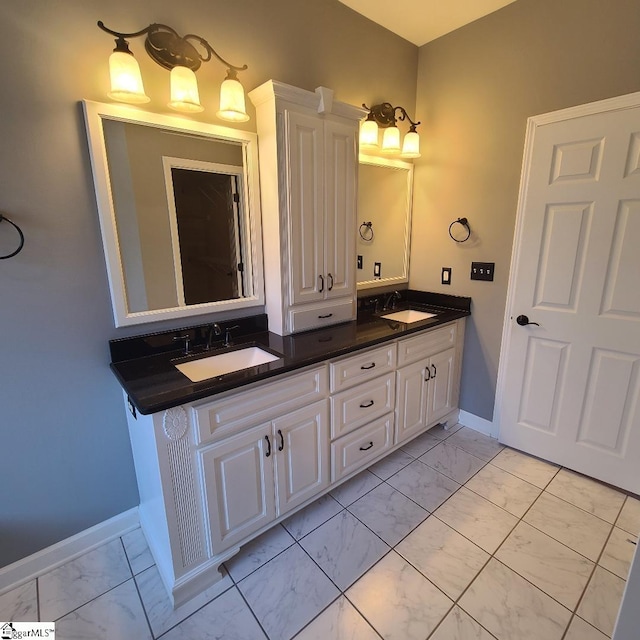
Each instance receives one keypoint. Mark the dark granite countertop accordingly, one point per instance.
(144, 365)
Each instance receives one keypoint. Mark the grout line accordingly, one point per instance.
(266, 635)
(135, 584)
(38, 600)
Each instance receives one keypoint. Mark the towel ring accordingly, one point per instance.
(465, 223)
(367, 234)
(17, 228)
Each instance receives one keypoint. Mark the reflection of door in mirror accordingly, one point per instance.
(139, 158)
(206, 225)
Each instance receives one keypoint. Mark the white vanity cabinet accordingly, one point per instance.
(308, 170)
(428, 379)
(254, 477)
(215, 473)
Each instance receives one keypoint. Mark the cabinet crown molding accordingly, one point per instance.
(320, 100)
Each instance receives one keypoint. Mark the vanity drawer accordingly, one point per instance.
(426, 344)
(356, 449)
(354, 407)
(364, 366)
(321, 315)
(226, 416)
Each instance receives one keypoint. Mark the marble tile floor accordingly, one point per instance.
(452, 537)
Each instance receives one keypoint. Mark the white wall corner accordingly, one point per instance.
(17, 573)
(477, 423)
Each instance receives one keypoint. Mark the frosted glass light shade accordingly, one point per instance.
(232, 106)
(369, 135)
(126, 79)
(391, 140)
(411, 145)
(184, 91)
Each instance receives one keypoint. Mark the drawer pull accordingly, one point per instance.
(330, 279)
(435, 371)
(428, 374)
(367, 447)
(321, 278)
(369, 366)
(328, 315)
(367, 405)
(281, 447)
(268, 453)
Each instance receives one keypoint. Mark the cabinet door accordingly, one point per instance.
(340, 208)
(302, 455)
(305, 155)
(440, 395)
(239, 485)
(411, 404)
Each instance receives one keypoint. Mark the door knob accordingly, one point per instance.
(523, 321)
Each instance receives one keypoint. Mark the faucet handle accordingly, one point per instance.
(187, 343)
(228, 342)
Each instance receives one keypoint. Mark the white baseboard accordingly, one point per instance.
(13, 575)
(477, 423)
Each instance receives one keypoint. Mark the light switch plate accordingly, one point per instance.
(482, 270)
(446, 275)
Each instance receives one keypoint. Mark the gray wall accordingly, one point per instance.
(476, 88)
(63, 425)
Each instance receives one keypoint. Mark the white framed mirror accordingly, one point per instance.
(385, 194)
(179, 208)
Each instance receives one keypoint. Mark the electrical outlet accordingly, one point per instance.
(359, 262)
(446, 275)
(482, 270)
(377, 266)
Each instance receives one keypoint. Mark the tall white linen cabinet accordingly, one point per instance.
(308, 146)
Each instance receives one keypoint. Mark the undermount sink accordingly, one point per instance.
(228, 362)
(409, 315)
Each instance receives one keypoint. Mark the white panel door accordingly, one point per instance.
(305, 148)
(301, 439)
(239, 485)
(440, 393)
(569, 383)
(411, 402)
(340, 208)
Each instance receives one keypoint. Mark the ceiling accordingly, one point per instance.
(420, 21)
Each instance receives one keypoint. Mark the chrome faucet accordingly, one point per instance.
(213, 330)
(390, 302)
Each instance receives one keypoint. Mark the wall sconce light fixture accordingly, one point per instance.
(384, 116)
(177, 54)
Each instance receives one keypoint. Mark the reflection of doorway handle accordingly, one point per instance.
(523, 321)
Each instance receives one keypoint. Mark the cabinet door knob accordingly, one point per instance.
(268, 453)
(367, 447)
(330, 279)
(366, 405)
(321, 278)
(281, 447)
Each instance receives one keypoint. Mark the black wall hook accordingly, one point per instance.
(19, 230)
